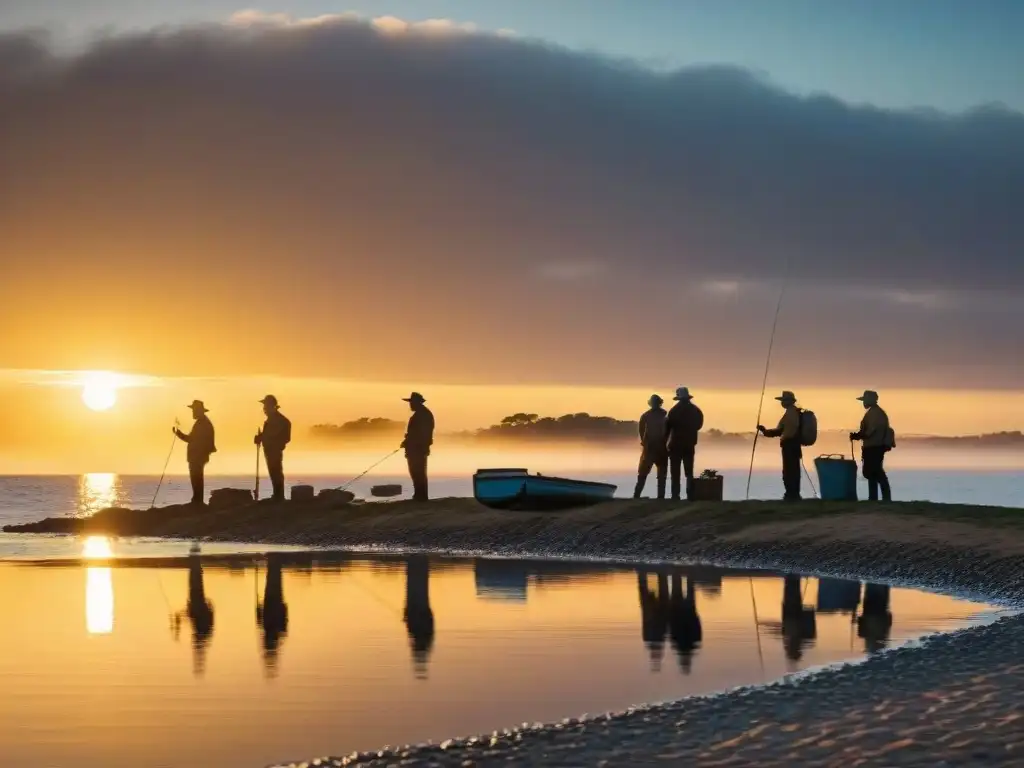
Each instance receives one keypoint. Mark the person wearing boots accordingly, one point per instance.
(685, 421)
(653, 450)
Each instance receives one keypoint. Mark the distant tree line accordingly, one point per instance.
(360, 429)
(584, 427)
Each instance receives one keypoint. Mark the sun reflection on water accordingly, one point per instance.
(98, 490)
(99, 588)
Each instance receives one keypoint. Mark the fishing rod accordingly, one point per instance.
(174, 439)
(767, 365)
(367, 471)
(256, 494)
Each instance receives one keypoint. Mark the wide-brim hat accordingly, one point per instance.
(683, 393)
(197, 405)
(786, 397)
(415, 397)
(269, 400)
(869, 396)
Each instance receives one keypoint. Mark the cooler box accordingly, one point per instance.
(707, 488)
(837, 477)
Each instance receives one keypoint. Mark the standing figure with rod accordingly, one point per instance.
(419, 436)
(876, 439)
(275, 435)
(788, 433)
(200, 446)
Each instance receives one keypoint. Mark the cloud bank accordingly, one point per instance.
(383, 199)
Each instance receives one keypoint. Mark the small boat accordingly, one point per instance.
(518, 489)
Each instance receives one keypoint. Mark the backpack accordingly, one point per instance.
(808, 428)
(890, 438)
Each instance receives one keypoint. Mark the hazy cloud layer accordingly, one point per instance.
(382, 199)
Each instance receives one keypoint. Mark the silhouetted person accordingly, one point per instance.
(653, 452)
(200, 614)
(275, 435)
(798, 623)
(419, 436)
(875, 440)
(419, 617)
(272, 615)
(654, 616)
(788, 433)
(875, 622)
(685, 420)
(684, 622)
(200, 446)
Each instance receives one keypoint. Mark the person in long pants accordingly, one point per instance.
(653, 451)
(788, 433)
(685, 420)
(274, 437)
(875, 437)
(419, 436)
(200, 445)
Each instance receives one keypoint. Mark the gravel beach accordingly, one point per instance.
(953, 700)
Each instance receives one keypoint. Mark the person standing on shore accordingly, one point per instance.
(419, 436)
(685, 421)
(876, 440)
(275, 435)
(788, 433)
(200, 446)
(653, 451)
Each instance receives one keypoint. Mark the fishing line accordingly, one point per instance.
(808, 475)
(174, 439)
(767, 365)
(367, 471)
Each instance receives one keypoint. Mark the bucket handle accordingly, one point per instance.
(840, 456)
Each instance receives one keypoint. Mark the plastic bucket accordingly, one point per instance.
(837, 478)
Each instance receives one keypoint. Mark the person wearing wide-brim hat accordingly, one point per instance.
(653, 452)
(275, 435)
(200, 445)
(685, 421)
(876, 439)
(788, 433)
(419, 436)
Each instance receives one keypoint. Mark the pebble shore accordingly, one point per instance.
(952, 700)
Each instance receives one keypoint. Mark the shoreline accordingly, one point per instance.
(952, 698)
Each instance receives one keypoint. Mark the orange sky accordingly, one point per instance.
(48, 428)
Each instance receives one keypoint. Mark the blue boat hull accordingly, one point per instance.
(517, 489)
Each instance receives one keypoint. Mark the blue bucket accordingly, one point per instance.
(837, 478)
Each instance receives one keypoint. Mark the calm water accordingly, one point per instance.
(31, 497)
(248, 661)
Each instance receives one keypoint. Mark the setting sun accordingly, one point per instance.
(99, 391)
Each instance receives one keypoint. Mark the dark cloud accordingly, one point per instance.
(374, 200)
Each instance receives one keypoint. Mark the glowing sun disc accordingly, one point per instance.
(99, 391)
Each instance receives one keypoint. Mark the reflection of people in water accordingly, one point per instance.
(654, 616)
(419, 617)
(684, 623)
(875, 622)
(799, 626)
(199, 611)
(272, 615)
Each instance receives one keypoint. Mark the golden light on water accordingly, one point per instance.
(99, 588)
(99, 390)
(96, 491)
(97, 548)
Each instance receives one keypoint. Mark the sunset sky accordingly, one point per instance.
(509, 206)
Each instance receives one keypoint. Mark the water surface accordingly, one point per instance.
(245, 661)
